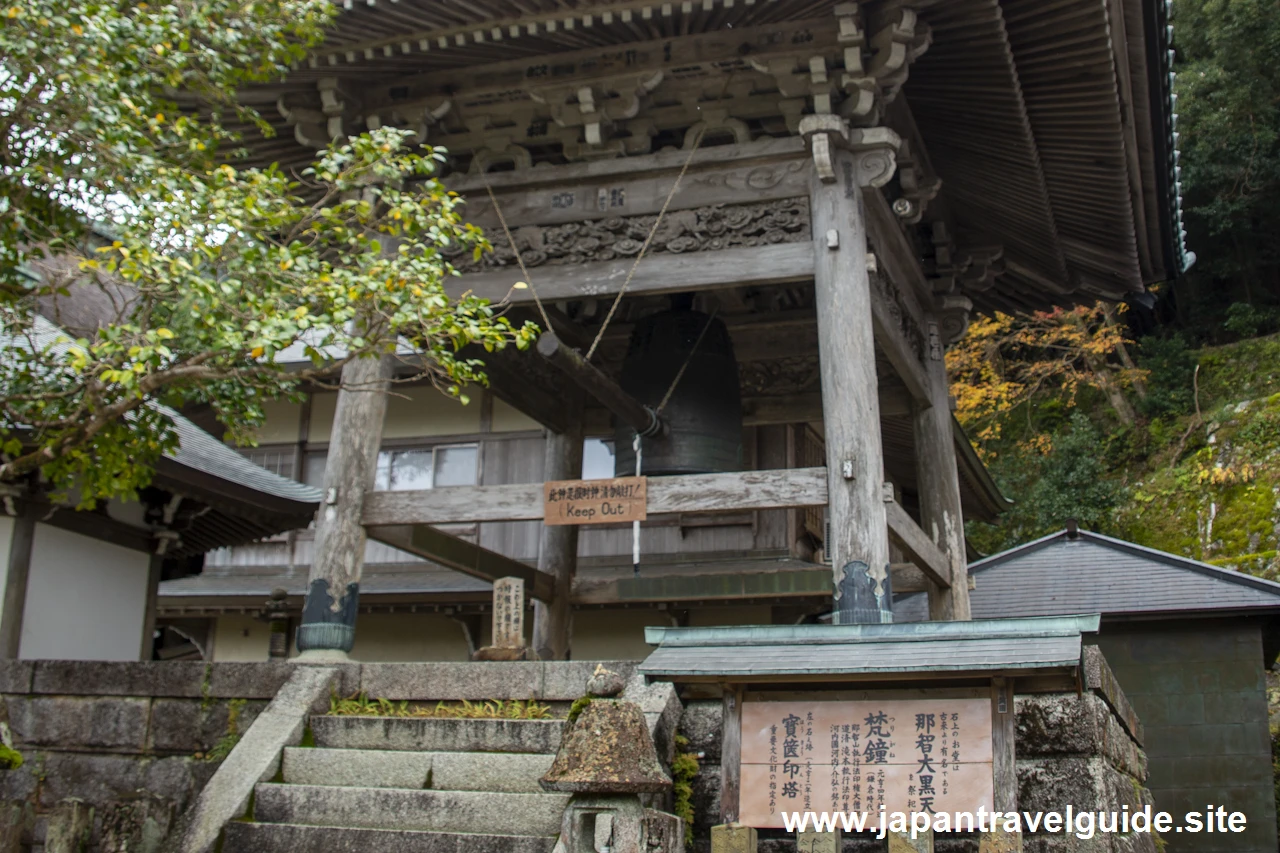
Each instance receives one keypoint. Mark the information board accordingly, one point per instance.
(909, 754)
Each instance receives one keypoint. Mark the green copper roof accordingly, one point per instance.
(989, 645)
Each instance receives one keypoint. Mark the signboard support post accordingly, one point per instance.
(1004, 770)
(731, 756)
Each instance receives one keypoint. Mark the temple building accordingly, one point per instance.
(748, 230)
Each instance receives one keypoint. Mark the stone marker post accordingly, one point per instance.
(508, 623)
(508, 613)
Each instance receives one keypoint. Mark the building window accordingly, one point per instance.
(597, 459)
(412, 469)
(277, 460)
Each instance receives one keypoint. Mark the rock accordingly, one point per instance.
(500, 653)
(605, 683)
(607, 750)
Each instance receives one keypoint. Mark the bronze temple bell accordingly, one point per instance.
(704, 413)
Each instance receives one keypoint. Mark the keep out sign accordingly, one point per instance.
(594, 501)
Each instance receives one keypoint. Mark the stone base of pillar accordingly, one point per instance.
(732, 838)
(819, 842)
(999, 841)
(319, 656)
(902, 842)
(500, 653)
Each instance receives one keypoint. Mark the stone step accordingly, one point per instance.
(295, 838)
(433, 735)
(400, 808)
(506, 772)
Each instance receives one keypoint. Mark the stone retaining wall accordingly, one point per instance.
(116, 751)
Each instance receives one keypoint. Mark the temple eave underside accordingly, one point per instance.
(1029, 173)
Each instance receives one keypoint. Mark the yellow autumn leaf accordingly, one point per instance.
(257, 352)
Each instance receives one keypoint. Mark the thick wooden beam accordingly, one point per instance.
(558, 548)
(13, 595)
(938, 486)
(659, 273)
(589, 378)
(329, 615)
(844, 301)
(898, 350)
(917, 545)
(467, 557)
(744, 490)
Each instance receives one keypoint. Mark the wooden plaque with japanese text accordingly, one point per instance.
(916, 754)
(595, 501)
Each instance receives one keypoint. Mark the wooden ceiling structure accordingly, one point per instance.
(1048, 125)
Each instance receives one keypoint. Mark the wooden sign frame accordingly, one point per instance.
(1003, 723)
(584, 502)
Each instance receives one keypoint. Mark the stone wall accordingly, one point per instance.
(118, 749)
(115, 752)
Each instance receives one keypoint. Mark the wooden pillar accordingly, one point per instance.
(731, 755)
(13, 602)
(941, 515)
(558, 550)
(1003, 767)
(328, 626)
(859, 538)
(155, 568)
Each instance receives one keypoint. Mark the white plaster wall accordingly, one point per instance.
(411, 413)
(613, 634)
(86, 599)
(281, 425)
(6, 537)
(241, 639)
(408, 637)
(509, 419)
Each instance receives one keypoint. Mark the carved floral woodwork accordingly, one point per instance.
(702, 229)
(779, 377)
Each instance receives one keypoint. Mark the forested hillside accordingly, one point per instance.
(1160, 422)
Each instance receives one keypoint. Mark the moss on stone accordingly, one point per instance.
(579, 705)
(10, 759)
(684, 767)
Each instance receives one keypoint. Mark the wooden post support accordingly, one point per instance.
(328, 628)
(558, 550)
(819, 842)
(731, 755)
(1003, 767)
(902, 842)
(859, 545)
(13, 602)
(155, 568)
(941, 515)
(733, 838)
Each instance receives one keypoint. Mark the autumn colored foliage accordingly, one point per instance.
(1005, 362)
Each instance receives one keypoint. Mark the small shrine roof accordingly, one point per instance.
(766, 652)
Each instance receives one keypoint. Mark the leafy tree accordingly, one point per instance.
(1228, 86)
(209, 271)
(1067, 479)
(1005, 362)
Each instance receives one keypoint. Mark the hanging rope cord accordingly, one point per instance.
(516, 249)
(688, 161)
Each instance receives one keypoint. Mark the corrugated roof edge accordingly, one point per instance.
(775, 635)
(1229, 575)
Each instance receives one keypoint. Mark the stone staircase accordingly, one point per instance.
(375, 784)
